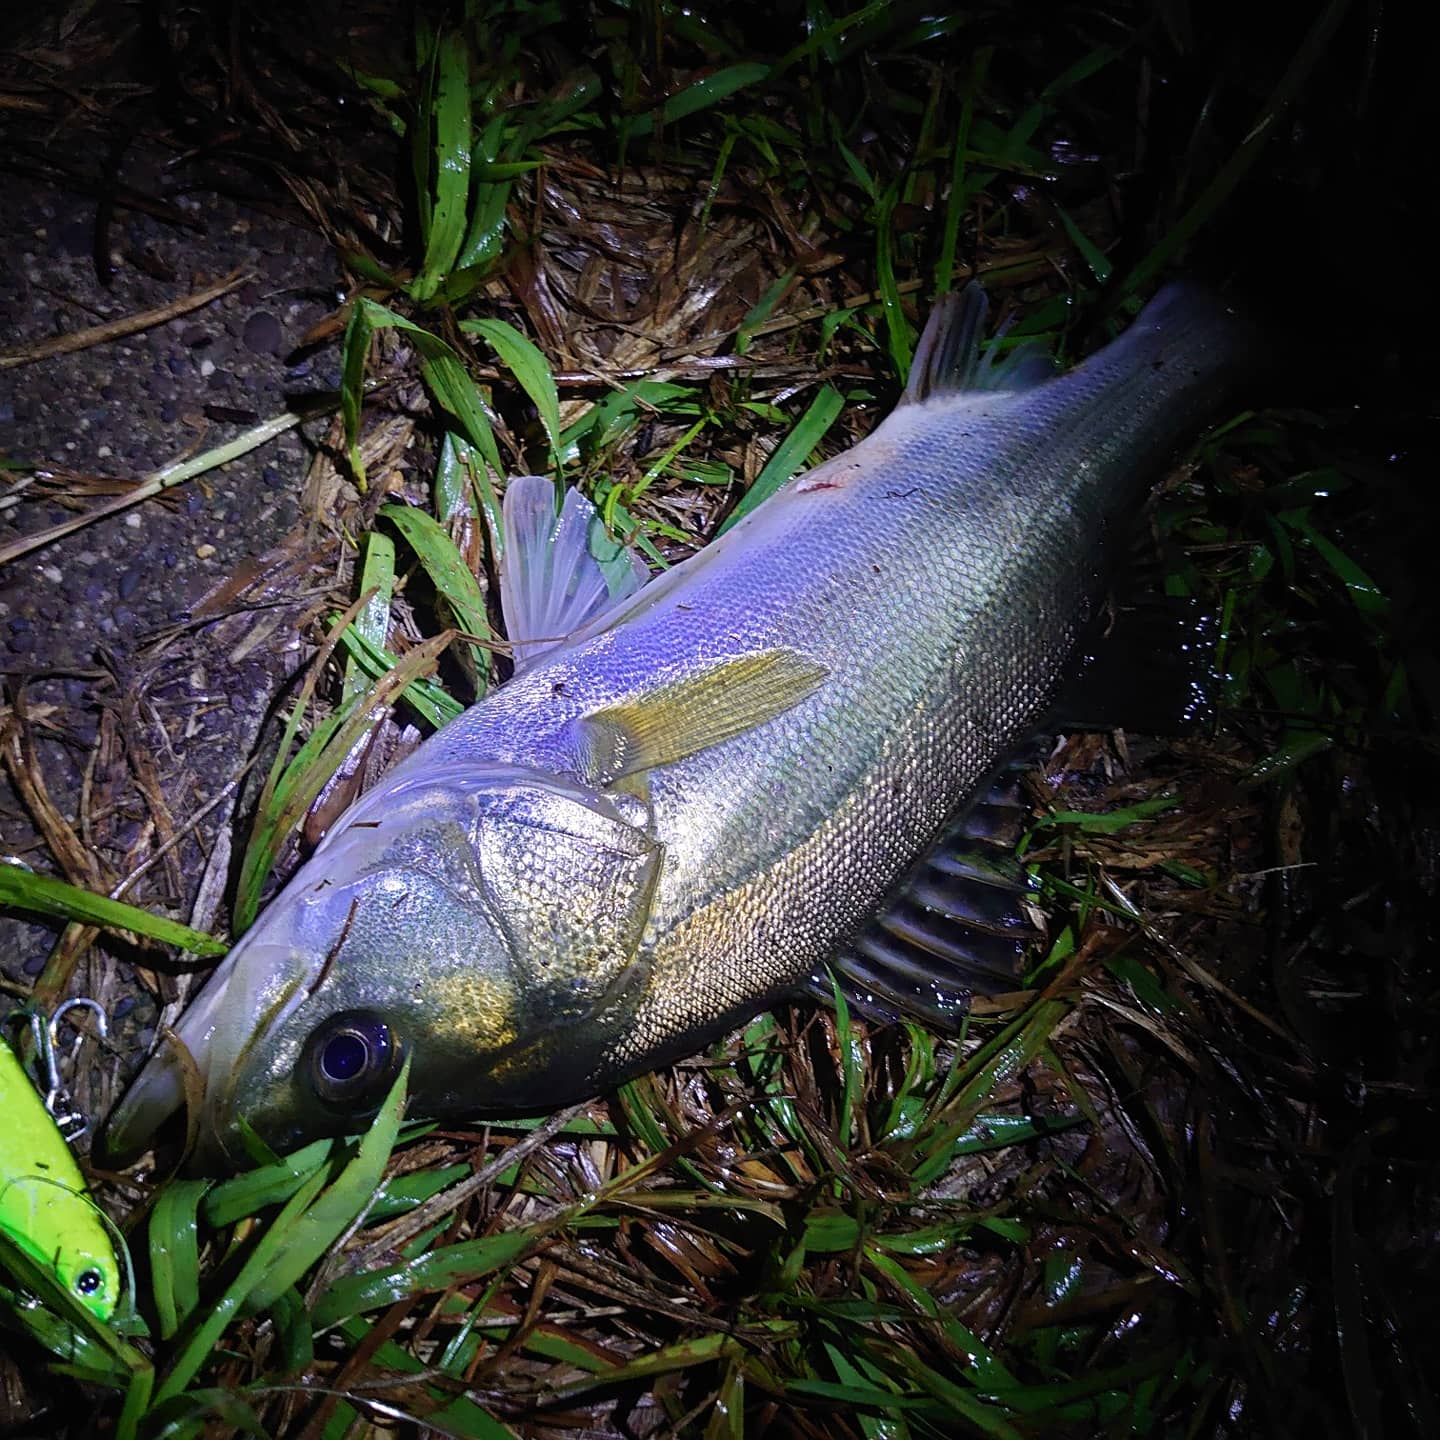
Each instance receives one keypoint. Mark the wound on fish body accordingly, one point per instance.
(700, 791)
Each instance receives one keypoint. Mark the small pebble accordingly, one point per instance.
(262, 333)
(77, 237)
(195, 336)
(129, 582)
(204, 552)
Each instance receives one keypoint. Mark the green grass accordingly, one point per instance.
(884, 1232)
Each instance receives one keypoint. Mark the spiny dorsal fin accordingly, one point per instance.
(948, 359)
(690, 714)
(957, 924)
(557, 571)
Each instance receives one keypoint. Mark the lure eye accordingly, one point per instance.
(351, 1059)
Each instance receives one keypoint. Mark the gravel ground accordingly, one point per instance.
(94, 625)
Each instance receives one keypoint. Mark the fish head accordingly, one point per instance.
(485, 922)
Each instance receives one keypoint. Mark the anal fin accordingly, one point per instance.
(958, 924)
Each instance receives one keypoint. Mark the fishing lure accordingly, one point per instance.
(44, 1207)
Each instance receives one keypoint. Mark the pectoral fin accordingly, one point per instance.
(691, 714)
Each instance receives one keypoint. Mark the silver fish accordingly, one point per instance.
(702, 795)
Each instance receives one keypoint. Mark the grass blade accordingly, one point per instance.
(444, 374)
(701, 95)
(292, 788)
(175, 1254)
(333, 1211)
(530, 368)
(453, 579)
(899, 336)
(22, 889)
(460, 1264)
(958, 200)
(1312, 49)
(372, 623)
(256, 1190)
(448, 183)
(791, 452)
(258, 1264)
(432, 704)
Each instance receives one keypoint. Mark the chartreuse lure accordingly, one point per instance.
(44, 1208)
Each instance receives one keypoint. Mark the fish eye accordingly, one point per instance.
(351, 1059)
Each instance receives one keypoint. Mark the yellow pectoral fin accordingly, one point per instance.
(694, 713)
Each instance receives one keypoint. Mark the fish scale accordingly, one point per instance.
(940, 571)
(744, 758)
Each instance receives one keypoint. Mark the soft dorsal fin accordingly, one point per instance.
(724, 700)
(956, 925)
(948, 359)
(557, 570)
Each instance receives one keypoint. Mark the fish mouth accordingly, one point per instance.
(254, 987)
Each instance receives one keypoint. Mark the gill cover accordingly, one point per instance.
(570, 880)
(464, 919)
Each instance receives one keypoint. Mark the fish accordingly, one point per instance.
(45, 1209)
(699, 794)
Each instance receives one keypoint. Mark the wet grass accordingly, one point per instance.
(1098, 1210)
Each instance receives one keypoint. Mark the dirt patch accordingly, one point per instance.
(101, 658)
